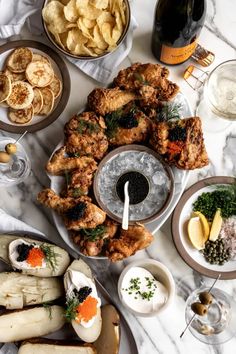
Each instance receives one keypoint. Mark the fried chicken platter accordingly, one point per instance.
(138, 108)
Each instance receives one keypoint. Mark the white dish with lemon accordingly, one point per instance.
(192, 231)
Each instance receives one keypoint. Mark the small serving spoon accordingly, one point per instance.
(125, 218)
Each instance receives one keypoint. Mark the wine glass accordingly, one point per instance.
(218, 107)
(218, 325)
(19, 166)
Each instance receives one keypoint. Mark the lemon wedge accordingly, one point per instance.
(216, 226)
(205, 224)
(196, 233)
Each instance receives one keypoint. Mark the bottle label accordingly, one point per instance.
(170, 55)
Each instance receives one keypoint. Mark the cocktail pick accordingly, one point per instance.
(191, 320)
(125, 218)
(21, 137)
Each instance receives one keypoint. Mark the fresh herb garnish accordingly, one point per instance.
(84, 125)
(224, 198)
(50, 255)
(168, 111)
(93, 234)
(77, 192)
(48, 306)
(141, 79)
(111, 120)
(134, 288)
(71, 305)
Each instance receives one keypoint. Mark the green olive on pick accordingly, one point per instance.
(206, 298)
(199, 308)
(4, 157)
(11, 148)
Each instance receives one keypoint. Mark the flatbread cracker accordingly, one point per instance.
(55, 86)
(48, 101)
(21, 116)
(5, 87)
(40, 57)
(39, 73)
(14, 76)
(37, 102)
(19, 59)
(21, 96)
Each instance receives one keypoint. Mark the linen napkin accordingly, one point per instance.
(14, 14)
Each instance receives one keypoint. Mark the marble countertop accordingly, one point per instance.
(158, 334)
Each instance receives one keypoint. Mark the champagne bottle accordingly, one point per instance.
(177, 25)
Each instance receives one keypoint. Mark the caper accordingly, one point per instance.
(11, 148)
(199, 309)
(4, 157)
(206, 298)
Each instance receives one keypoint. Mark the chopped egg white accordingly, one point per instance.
(13, 255)
(77, 280)
(142, 292)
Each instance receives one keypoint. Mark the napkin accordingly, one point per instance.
(14, 14)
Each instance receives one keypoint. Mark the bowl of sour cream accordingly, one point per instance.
(146, 287)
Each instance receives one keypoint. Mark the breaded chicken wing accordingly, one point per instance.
(84, 135)
(60, 162)
(77, 213)
(129, 241)
(137, 76)
(103, 101)
(180, 142)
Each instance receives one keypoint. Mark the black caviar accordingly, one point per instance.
(23, 251)
(138, 186)
(215, 252)
(83, 293)
(77, 212)
(177, 134)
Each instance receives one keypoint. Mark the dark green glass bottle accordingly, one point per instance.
(177, 24)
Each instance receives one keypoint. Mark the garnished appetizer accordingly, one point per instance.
(33, 257)
(83, 306)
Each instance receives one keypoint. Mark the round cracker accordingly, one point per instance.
(48, 101)
(21, 116)
(55, 86)
(5, 87)
(39, 73)
(19, 59)
(21, 96)
(14, 76)
(40, 57)
(37, 102)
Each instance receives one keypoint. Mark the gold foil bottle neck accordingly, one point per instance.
(203, 56)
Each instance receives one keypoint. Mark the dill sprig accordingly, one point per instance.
(48, 306)
(71, 305)
(93, 234)
(84, 125)
(141, 79)
(50, 256)
(168, 112)
(112, 122)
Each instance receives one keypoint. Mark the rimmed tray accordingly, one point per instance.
(60, 68)
(181, 214)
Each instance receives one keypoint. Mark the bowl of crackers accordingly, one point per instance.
(86, 29)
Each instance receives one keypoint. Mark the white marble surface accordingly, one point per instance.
(159, 334)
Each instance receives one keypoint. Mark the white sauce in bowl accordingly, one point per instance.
(142, 292)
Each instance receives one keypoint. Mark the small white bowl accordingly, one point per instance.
(161, 273)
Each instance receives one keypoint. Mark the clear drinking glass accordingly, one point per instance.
(218, 325)
(218, 108)
(18, 168)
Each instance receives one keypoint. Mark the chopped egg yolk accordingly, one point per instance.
(87, 310)
(35, 257)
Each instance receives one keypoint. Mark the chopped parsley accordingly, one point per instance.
(135, 289)
(93, 234)
(84, 125)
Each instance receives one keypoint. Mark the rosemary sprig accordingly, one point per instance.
(50, 256)
(71, 306)
(141, 79)
(168, 112)
(93, 234)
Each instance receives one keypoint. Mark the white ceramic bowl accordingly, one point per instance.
(161, 273)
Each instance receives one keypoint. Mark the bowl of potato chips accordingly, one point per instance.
(86, 29)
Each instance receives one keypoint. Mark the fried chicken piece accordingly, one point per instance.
(91, 241)
(180, 143)
(129, 242)
(85, 135)
(103, 101)
(79, 181)
(127, 126)
(77, 213)
(60, 162)
(139, 75)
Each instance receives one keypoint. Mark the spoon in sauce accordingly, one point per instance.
(125, 218)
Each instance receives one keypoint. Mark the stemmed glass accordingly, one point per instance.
(19, 166)
(218, 325)
(218, 107)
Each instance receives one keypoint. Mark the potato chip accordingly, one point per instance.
(98, 38)
(71, 25)
(71, 12)
(89, 23)
(105, 17)
(120, 7)
(100, 4)
(106, 30)
(53, 15)
(75, 38)
(89, 12)
(81, 3)
(83, 28)
(119, 25)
